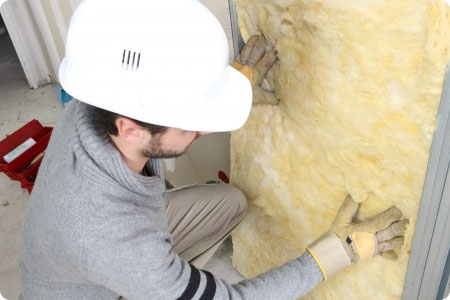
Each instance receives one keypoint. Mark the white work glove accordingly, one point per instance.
(256, 59)
(347, 242)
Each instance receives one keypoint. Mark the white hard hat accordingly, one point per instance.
(160, 62)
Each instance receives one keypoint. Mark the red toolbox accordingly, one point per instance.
(24, 168)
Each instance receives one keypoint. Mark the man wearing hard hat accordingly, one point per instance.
(150, 78)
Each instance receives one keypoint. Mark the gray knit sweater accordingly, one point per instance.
(94, 230)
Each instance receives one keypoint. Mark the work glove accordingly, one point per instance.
(256, 59)
(348, 243)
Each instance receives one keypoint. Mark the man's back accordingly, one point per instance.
(67, 203)
(50, 249)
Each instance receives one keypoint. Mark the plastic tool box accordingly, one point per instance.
(24, 168)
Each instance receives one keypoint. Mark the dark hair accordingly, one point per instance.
(105, 121)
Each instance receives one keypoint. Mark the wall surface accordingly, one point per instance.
(51, 18)
(359, 85)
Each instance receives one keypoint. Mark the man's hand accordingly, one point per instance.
(347, 242)
(254, 62)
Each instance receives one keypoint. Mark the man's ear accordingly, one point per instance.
(131, 131)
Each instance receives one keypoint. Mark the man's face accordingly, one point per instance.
(172, 143)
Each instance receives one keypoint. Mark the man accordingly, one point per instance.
(150, 78)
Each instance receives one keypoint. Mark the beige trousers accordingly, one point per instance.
(201, 217)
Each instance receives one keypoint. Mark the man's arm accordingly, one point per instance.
(135, 261)
(130, 257)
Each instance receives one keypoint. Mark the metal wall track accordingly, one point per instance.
(238, 43)
(432, 236)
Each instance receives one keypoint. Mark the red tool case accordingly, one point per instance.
(19, 169)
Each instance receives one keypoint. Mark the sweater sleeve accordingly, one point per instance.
(126, 255)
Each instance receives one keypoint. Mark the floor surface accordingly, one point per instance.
(18, 105)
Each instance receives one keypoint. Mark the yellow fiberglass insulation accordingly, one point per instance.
(359, 84)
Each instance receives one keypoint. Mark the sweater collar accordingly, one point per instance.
(108, 160)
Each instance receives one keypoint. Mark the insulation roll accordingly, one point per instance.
(359, 84)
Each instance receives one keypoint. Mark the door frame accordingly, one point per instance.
(26, 42)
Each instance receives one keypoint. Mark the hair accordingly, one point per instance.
(105, 121)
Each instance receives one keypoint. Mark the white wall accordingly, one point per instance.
(52, 18)
(204, 158)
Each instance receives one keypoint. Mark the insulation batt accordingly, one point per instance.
(359, 84)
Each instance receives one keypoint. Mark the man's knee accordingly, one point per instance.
(236, 200)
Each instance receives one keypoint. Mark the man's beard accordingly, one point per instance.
(154, 149)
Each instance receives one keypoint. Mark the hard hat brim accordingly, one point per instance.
(229, 107)
(225, 107)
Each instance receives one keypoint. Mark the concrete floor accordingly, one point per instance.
(19, 104)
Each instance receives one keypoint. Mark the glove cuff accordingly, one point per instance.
(329, 253)
(244, 70)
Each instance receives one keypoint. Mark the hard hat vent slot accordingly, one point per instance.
(131, 60)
